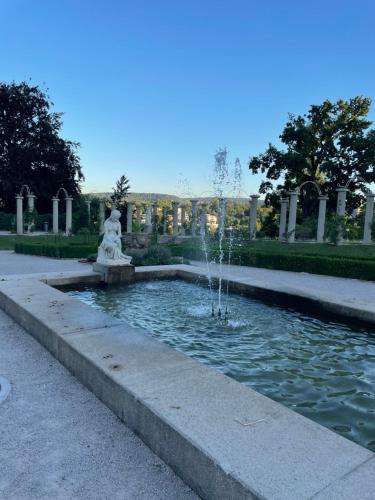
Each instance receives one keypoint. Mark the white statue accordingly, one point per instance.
(110, 249)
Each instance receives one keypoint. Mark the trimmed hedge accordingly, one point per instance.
(333, 265)
(58, 251)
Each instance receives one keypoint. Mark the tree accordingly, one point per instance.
(120, 192)
(31, 149)
(328, 145)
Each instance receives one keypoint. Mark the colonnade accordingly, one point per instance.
(287, 226)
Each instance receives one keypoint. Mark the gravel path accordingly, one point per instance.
(59, 441)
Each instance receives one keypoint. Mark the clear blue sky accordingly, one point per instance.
(153, 88)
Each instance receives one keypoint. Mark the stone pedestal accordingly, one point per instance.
(115, 274)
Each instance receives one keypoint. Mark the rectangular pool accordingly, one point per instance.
(323, 370)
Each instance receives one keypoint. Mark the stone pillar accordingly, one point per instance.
(148, 220)
(321, 218)
(88, 203)
(30, 207)
(154, 212)
(194, 216)
(19, 199)
(203, 219)
(183, 219)
(253, 216)
(68, 215)
(292, 216)
(283, 214)
(175, 217)
(101, 216)
(369, 217)
(165, 220)
(221, 216)
(129, 217)
(55, 215)
(138, 214)
(340, 208)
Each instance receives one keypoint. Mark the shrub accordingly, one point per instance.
(56, 250)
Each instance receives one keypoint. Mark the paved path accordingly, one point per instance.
(14, 263)
(57, 440)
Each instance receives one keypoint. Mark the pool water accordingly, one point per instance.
(323, 370)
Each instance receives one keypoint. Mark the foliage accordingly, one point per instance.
(120, 192)
(31, 149)
(351, 261)
(56, 250)
(156, 255)
(7, 222)
(328, 145)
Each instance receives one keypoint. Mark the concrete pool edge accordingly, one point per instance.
(237, 444)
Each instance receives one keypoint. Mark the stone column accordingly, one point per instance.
(68, 215)
(253, 215)
(165, 220)
(221, 216)
(283, 214)
(292, 216)
(19, 199)
(129, 217)
(203, 219)
(55, 215)
(148, 220)
(340, 208)
(369, 217)
(30, 207)
(321, 218)
(138, 214)
(183, 219)
(175, 217)
(155, 216)
(101, 216)
(194, 216)
(88, 203)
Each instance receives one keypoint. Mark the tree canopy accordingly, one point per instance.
(329, 145)
(31, 149)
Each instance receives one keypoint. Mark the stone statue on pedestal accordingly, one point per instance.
(110, 249)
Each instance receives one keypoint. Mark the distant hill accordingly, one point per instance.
(150, 197)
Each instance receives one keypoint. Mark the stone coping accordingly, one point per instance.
(224, 439)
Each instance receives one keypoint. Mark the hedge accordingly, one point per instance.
(337, 265)
(59, 251)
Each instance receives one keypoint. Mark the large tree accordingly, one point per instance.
(329, 145)
(31, 149)
(120, 192)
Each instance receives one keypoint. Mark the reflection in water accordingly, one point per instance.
(325, 371)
